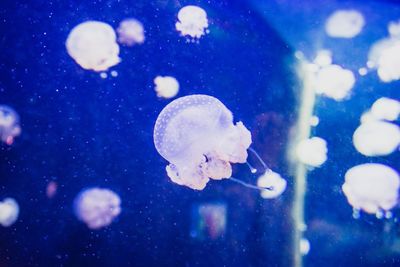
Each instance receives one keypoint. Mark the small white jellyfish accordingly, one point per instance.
(362, 71)
(386, 109)
(344, 24)
(9, 211)
(97, 207)
(304, 246)
(9, 124)
(274, 182)
(371, 187)
(196, 134)
(394, 28)
(334, 81)
(192, 21)
(92, 44)
(376, 138)
(312, 151)
(323, 58)
(385, 57)
(130, 32)
(166, 86)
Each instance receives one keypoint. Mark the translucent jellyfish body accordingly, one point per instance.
(385, 57)
(371, 187)
(9, 211)
(334, 81)
(312, 151)
(92, 44)
(274, 182)
(97, 207)
(192, 21)
(9, 124)
(344, 24)
(376, 138)
(166, 87)
(196, 134)
(130, 32)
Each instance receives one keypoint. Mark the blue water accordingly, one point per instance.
(80, 131)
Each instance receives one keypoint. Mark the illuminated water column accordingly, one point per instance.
(303, 127)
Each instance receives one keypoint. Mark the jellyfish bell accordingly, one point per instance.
(92, 44)
(344, 24)
(9, 211)
(384, 56)
(334, 81)
(198, 137)
(371, 187)
(376, 138)
(166, 86)
(274, 182)
(312, 151)
(9, 124)
(386, 109)
(192, 21)
(97, 207)
(130, 32)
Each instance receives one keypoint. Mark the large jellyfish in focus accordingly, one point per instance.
(371, 187)
(9, 124)
(92, 44)
(376, 138)
(312, 151)
(384, 108)
(130, 32)
(166, 87)
(344, 24)
(9, 211)
(192, 21)
(97, 207)
(196, 134)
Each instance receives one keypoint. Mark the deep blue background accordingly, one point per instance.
(80, 131)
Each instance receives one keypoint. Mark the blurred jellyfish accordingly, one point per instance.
(92, 44)
(97, 207)
(386, 109)
(130, 32)
(385, 57)
(9, 124)
(394, 28)
(376, 138)
(196, 134)
(166, 86)
(304, 246)
(323, 58)
(51, 189)
(192, 21)
(334, 81)
(9, 211)
(344, 24)
(274, 182)
(371, 187)
(312, 151)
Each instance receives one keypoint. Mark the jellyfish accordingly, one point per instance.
(9, 124)
(344, 24)
(323, 58)
(192, 21)
(312, 151)
(384, 108)
(371, 187)
(198, 137)
(384, 55)
(334, 81)
(130, 32)
(97, 207)
(274, 182)
(9, 211)
(92, 44)
(166, 87)
(376, 138)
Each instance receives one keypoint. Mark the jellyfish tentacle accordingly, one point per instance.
(259, 159)
(249, 185)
